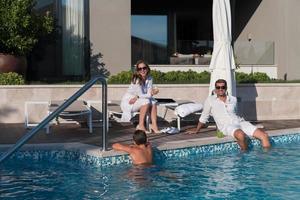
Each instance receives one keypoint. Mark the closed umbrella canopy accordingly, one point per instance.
(222, 64)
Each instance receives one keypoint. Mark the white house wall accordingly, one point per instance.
(278, 21)
(110, 33)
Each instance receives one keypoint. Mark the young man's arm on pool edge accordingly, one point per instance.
(122, 147)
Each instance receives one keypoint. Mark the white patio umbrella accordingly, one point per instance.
(222, 64)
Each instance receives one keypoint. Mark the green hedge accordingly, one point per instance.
(187, 77)
(180, 77)
(256, 77)
(11, 78)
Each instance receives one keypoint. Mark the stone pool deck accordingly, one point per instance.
(72, 136)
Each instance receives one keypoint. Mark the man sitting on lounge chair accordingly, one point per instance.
(223, 109)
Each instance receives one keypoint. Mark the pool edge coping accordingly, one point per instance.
(96, 151)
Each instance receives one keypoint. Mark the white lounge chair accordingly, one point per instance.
(183, 109)
(71, 114)
(115, 111)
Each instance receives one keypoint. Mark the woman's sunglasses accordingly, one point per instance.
(142, 68)
(221, 87)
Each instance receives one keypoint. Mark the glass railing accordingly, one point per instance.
(255, 53)
(192, 52)
(198, 52)
(200, 47)
(151, 51)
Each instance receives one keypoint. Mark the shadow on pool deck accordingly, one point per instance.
(66, 133)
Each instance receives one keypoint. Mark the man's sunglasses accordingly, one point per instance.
(142, 68)
(221, 87)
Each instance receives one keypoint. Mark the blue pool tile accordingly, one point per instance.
(158, 155)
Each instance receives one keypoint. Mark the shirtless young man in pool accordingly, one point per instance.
(140, 152)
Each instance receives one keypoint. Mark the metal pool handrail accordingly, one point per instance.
(61, 108)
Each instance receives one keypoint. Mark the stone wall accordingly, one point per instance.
(256, 101)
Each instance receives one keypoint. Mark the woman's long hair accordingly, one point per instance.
(136, 77)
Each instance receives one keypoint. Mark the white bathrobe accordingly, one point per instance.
(145, 97)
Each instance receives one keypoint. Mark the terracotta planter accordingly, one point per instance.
(11, 63)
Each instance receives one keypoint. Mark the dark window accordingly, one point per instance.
(194, 33)
(64, 55)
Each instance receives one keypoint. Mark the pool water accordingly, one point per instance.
(257, 174)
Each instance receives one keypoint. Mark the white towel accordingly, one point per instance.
(189, 108)
(126, 108)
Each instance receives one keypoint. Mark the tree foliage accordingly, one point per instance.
(21, 27)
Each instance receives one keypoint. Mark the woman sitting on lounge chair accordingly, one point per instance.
(139, 97)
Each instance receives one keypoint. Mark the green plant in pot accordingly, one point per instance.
(20, 30)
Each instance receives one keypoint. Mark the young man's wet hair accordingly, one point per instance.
(139, 137)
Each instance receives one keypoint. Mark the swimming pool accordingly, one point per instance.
(257, 174)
